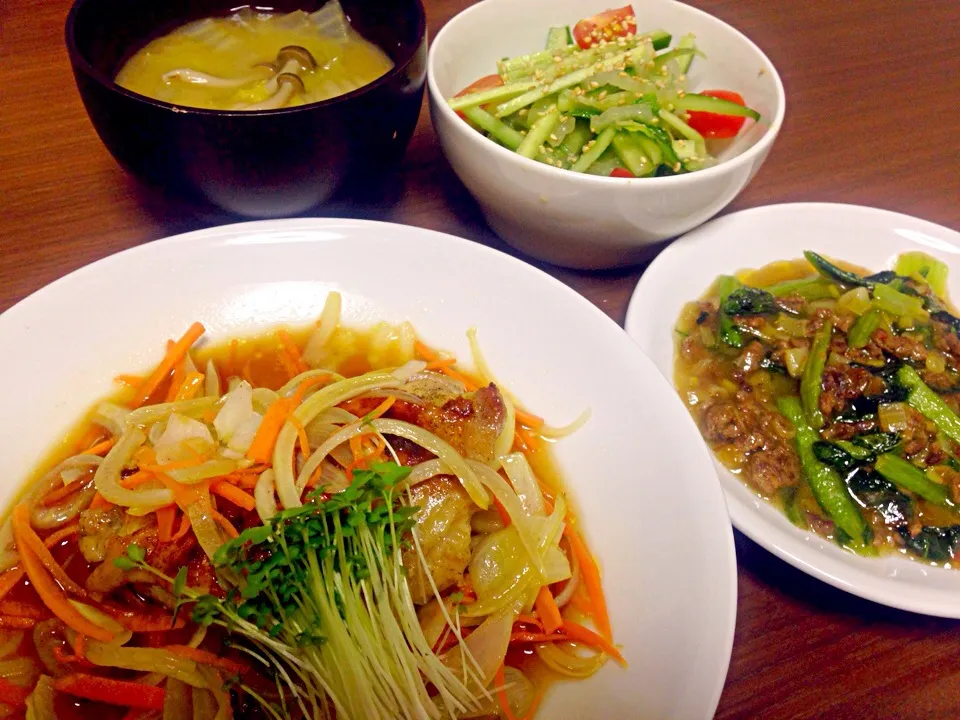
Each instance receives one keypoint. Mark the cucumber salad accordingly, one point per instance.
(603, 99)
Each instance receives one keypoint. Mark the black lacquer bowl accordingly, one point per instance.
(262, 164)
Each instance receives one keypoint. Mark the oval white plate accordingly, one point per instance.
(751, 238)
(655, 519)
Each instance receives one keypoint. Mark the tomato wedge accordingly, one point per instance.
(608, 25)
(712, 125)
(621, 173)
(487, 82)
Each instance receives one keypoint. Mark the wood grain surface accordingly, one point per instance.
(872, 118)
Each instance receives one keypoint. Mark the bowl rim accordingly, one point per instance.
(79, 62)
(750, 155)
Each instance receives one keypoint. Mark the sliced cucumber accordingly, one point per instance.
(559, 37)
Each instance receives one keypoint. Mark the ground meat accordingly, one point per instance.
(749, 360)
(792, 303)
(941, 382)
(759, 435)
(945, 339)
(900, 346)
(918, 437)
(775, 468)
(844, 321)
(819, 317)
(843, 383)
(846, 431)
(951, 478)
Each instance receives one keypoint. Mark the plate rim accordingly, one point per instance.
(12, 320)
(747, 520)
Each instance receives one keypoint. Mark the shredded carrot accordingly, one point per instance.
(12, 577)
(292, 351)
(502, 512)
(579, 633)
(144, 622)
(23, 610)
(261, 449)
(13, 695)
(51, 594)
(500, 679)
(234, 494)
(548, 611)
(101, 448)
(382, 408)
(441, 363)
(99, 502)
(288, 365)
(190, 386)
(113, 692)
(12, 622)
(90, 438)
(227, 526)
(526, 440)
(137, 479)
(182, 530)
(197, 459)
(530, 620)
(301, 436)
(534, 422)
(27, 539)
(55, 496)
(179, 375)
(207, 658)
(174, 355)
(166, 517)
(80, 646)
(185, 495)
(9, 580)
(133, 381)
(591, 579)
(431, 355)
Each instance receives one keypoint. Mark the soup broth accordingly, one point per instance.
(255, 60)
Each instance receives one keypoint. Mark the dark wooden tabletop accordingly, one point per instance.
(872, 119)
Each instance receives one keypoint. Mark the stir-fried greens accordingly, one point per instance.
(342, 525)
(834, 392)
(606, 100)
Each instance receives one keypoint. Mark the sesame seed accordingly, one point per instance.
(554, 137)
(676, 167)
(522, 112)
(557, 58)
(594, 84)
(602, 95)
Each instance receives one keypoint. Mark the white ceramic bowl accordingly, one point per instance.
(637, 471)
(586, 221)
(864, 236)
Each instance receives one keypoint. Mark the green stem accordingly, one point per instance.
(600, 144)
(812, 380)
(923, 399)
(495, 128)
(908, 477)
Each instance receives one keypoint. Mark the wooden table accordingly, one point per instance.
(872, 119)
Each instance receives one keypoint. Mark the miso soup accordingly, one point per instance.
(256, 60)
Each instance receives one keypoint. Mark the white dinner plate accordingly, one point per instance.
(749, 239)
(637, 471)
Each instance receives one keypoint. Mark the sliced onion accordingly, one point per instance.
(9, 641)
(56, 516)
(19, 671)
(409, 369)
(107, 479)
(291, 387)
(504, 441)
(204, 526)
(306, 412)
(211, 381)
(237, 409)
(330, 316)
(510, 501)
(520, 694)
(145, 660)
(426, 470)
(178, 431)
(40, 704)
(524, 483)
(215, 688)
(121, 636)
(486, 522)
(203, 471)
(319, 455)
(464, 470)
(111, 416)
(47, 636)
(265, 496)
(562, 431)
(571, 587)
(567, 662)
(486, 647)
(176, 703)
(149, 414)
(263, 398)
